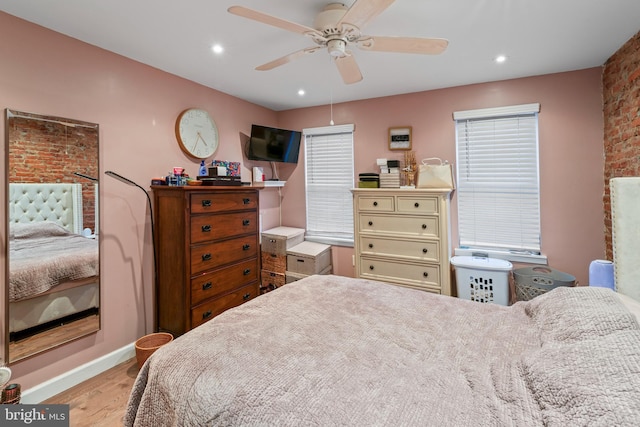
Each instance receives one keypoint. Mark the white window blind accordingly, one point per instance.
(329, 180)
(498, 179)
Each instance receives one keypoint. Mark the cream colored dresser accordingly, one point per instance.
(402, 236)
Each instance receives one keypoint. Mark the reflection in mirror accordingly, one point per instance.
(52, 209)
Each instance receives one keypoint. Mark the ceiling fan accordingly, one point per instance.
(337, 27)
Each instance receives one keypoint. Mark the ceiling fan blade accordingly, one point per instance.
(363, 11)
(273, 21)
(286, 59)
(404, 45)
(348, 69)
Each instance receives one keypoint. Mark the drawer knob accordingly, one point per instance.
(424, 226)
(370, 223)
(206, 314)
(370, 245)
(206, 257)
(206, 203)
(425, 250)
(246, 247)
(247, 271)
(425, 274)
(371, 267)
(246, 222)
(246, 201)
(416, 204)
(246, 296)
(206, 286)
(375, 203)
(206, 228)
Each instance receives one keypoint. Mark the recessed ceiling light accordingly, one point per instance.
(500, 59)
(216, 48)
(301, 92)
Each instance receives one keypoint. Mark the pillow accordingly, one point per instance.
(29, 230)
(578, 313)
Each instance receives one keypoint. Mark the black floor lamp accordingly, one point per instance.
(153, 234)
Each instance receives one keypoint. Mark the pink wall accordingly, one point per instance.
(571, 152)
(136, 107)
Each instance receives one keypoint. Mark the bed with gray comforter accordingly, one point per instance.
(330, 350)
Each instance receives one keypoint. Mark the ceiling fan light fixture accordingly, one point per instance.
(336, 48)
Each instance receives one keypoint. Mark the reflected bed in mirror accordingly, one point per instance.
(52, 210)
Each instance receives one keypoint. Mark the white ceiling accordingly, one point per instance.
(538, 37)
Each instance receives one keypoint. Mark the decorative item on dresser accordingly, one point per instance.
(402, 237)
(208, 244)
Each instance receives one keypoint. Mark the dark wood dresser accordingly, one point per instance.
(208, 252)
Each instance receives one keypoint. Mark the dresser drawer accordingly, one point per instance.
(271, 280)
(273, 262)
(426, 226)
(423, 250)
(417, 205)
(376, 203)
(222, 202)
(222, 281)
(208, 256)
(208, 310)
(421, 275)
(214, 227)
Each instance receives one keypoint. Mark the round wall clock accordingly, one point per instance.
(197, 133)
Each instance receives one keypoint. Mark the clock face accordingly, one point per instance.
(197, 133)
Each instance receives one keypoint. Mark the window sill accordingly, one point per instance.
(509, 256)
(330, 241)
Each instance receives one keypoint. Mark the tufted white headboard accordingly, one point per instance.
(61, 203)
(625, 220)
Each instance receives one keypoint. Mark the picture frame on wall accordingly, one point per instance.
(400, 138)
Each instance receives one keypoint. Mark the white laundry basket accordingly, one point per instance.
(482, 279)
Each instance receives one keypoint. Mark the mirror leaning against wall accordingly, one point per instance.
(52, 288)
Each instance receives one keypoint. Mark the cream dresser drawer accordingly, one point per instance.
(425, 276)
(425, 226)
(418, 205)
(418, 250)
(378, 204)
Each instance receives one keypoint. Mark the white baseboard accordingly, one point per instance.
(77, 375)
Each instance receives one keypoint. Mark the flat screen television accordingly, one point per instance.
(274, 145)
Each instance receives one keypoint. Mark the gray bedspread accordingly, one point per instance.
(44, 254)
(335, 351)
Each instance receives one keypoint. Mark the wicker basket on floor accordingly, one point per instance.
(10, 394)
(146, 345)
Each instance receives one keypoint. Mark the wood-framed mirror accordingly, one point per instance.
(52, 286)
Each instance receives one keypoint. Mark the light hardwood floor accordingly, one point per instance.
(101, 400)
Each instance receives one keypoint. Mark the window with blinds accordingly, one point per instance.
(498, 187)
(328, 181)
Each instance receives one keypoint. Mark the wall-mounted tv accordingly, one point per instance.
(274, 145)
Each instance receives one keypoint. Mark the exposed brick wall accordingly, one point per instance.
(621, 97)
(49, 152)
